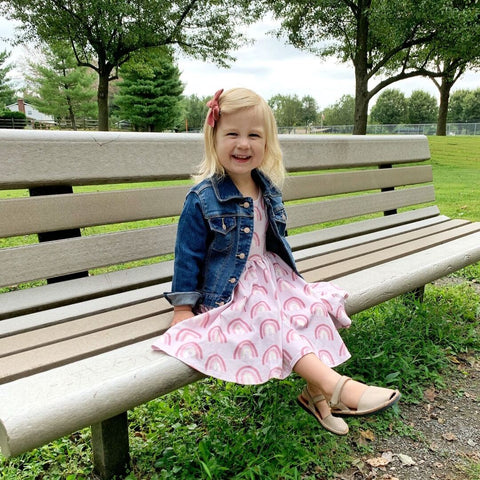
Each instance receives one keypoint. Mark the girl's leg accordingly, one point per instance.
(321, 379)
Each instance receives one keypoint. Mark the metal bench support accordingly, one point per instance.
(110, 447)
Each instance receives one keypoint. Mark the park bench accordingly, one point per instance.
(75, 351)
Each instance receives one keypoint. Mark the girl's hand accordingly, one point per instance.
(180, 314)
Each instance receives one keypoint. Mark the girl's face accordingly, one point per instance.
(240, 142)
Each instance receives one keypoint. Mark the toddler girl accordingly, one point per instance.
(242, 312)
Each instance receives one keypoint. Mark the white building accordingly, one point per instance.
(31, 112)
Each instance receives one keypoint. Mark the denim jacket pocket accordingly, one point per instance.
(223, 229)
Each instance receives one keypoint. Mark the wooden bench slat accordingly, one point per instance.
(61, 257)
(64, 330)
(28, 215)
(311, 250)
(94, 158)
(50, 356)
(374, 285)
(316, 185)
(57, 402)
(99, 291)
(307, 153)
(22, 216)
(335, 255)
(352, 265)
(348, 207)
(362, 227)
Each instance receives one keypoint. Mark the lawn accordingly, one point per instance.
(218, 430)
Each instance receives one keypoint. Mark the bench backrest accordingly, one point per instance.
(119, 179)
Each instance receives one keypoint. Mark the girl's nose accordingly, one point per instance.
(243, 142)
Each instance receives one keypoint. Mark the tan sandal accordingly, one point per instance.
(373, 400)
(330, 423)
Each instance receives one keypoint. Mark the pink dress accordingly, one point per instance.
(273, 319)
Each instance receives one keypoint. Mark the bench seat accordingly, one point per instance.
(42, 407)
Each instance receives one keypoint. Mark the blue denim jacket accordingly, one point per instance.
(214, 236)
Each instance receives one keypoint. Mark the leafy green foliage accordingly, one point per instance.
(390, 40)
(391, 108)
(341, 113)
(150, 93)
(422, 107)
(104, 34)
(7, 94)
(59, 87)
(195, 110)
(290, 110)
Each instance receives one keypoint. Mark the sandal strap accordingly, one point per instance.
(311, 400)
(337, 392)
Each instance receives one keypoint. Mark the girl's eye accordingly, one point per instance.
(231, 134)
(255, 135)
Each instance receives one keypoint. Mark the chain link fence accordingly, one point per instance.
(403, 129)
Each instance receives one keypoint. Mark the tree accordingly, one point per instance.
(59, 87)
(7, 94)
(309, 110)
(472, 106)
(104, 34)
(391, 108)
(381, 38)
(292, 111)
(287, 110)
(422, 107)
(456, 106)
(464, 106)
(150, 92)
(341, 112)
(195, 111)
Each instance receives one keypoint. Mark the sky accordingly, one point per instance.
(270, 66)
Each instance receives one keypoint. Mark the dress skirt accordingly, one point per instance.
(273, 319)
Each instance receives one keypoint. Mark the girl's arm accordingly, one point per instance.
(190, 253)
(180, 313)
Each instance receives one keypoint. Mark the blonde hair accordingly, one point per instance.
(232, 101)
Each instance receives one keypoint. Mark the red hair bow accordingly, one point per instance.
(214, 113)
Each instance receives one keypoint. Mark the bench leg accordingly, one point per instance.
(110, 447)
(419, 293)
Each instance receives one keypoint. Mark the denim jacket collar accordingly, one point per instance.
(226, 190)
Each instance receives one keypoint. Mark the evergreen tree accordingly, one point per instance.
(59, 87)
(7, 94)
(104, 34)
(151, 91)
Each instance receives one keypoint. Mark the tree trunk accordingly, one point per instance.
(444, 89)
(102, 98)
(360, 63)
(71, 114)
(361, 105)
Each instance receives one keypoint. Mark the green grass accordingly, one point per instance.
(217, 430)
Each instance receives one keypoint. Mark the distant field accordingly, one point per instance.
(456, 175)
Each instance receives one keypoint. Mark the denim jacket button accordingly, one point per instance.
(241, 256)
(246, 204)
(246, 230)
(233, 280)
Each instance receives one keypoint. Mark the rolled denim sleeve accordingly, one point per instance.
(190, 253)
